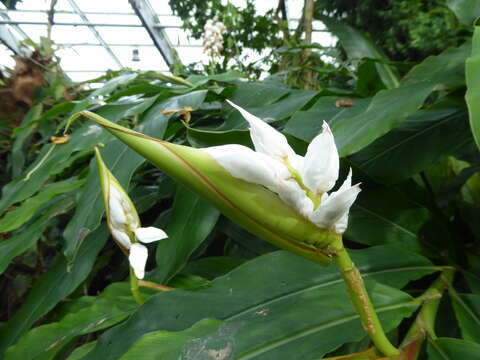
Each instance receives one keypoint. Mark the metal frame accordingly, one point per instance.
(150, 21)
(80, 13)
(10, 39)
(11, 22)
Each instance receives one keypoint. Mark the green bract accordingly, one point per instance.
(247, 204)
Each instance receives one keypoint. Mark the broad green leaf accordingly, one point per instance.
(452, 349)
(473, 86)
(396, 155)
(286, 329)
(279, 110)
(24, 239)
(108, 87)
(306, 125)
(212, 267)
(81, 351)
(384, 216)
(467, 310)
(52, 287)
(284, 285)
(122, 162)
(20, 215)
(52, 159)
(185, 344)
(21, 138)
(229, 76)
(465, 10)
(446, 69)
(358, 46)
(387, 109)
(45, 341)
(204, 138)
(192, 219)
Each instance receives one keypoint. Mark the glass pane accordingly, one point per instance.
(72, 34)
(88, 58)
(34, 32)
(114, 19)
(6, 60)
(126, 35)
(150, 58)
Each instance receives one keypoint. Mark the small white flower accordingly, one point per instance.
(302, 182)
(213, 39)
(125, 227)
(124, 223)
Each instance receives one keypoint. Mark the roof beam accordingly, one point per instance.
(95, 32)
(150, 21)
(10, 39)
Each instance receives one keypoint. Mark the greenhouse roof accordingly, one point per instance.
(96, 36)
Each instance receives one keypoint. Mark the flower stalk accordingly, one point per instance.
(361, 300)
(134, 288)
(424, 324)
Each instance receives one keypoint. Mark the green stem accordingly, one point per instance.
(361, 300)
(425, 321)
(134, 287)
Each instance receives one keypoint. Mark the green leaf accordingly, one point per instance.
(20, 215)
(446, 69)
(289, 288)
(279, 110)
(384, 216)
(21, 138)
(467, 310)
(204, 138)
(473, 86)
(396, 156)
(53, 287)
(465, 10)
(24, 239)
(387, 109)
(45, 341)
(175, 345)
(452, 349)
(306, 125)
(51, 160)
(285, 330)
(229, 76)
(192, 219)
(122, 162)
(358, 46)
(82, 351)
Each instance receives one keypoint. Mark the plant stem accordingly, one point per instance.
(361, 300)
(134, 287)
(425, 321)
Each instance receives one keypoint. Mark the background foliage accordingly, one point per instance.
(404, 127)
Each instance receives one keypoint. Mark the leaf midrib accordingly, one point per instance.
(312, 330)
(326, 284)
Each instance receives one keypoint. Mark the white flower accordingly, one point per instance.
(213, 39)
(301, 182)
(123, 220)
(125, 227)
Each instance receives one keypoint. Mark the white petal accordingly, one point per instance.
(334, 208)
(150, 234)
(290, 192)
(265, 138)
(341, 224)
(244, 163)
(320, 170)
(122, 238)
(115, 211)
(138, 259)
